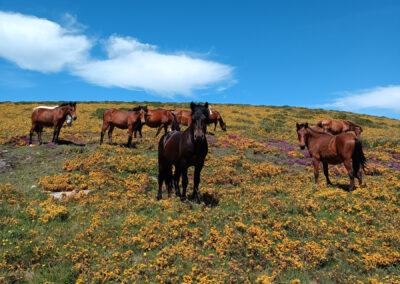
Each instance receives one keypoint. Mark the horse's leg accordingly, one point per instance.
(130, 132)
(215, 125)
(39, 132)
(326, 172)
(166, 128)
(54, 134)
(159, 129)
(184, 183)
(31, 133)
(359, 177)
(196, 182)
(316, 169)
(349, 168)
(103, 131)
(110, 131)
(177, 176)
(168, 180)
(58, 133)
(161, 176)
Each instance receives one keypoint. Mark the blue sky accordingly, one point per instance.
(331, 54)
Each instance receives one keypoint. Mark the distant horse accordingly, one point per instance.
(184, 149)
(51, 117)
(159, 118)
(124, 120)
(329, 149)
(215, 117)
(340, 126)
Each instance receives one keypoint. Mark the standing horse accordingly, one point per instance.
(215, 117)
(184, 149)
(340, 126)
(123, 120)
(183, 116)
(51, 117)
(159, 118)
(329, 149)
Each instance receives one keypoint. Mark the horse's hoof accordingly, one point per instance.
(351, 189)
(178, 194)
(158, 198)
(30, 145)
(183, 198)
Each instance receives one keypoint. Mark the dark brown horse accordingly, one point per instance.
(215, 117)
(51, 117)
(159, 118)
(333, 149)
(124, 120)
(184, 149)
(340, 126)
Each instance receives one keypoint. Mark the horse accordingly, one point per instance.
(183, 116)
(159, 118)
(215, 117)
(340, 126)
(344, 148)
(51, 117)
(184, 149)
(130, 120)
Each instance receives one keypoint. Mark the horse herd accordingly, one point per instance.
(329, 141)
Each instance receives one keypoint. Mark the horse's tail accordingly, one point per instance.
(175, 124)
(358, 157)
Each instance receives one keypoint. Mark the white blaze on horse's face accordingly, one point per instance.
(142, 114)
(69, 120)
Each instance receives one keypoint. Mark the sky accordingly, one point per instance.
(342, 55)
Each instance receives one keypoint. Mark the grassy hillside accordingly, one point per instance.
(262, 220)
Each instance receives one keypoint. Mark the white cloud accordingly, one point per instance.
(42, 45)
(39, 44)
(379, 97)
(134, 65)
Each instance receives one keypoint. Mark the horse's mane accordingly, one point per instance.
(139, 108)
(67, 104)
(45, 107)
(353, 124)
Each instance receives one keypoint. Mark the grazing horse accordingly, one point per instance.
(340, 126)
(184, 149)
(215, 117)
(123, 120)
(333, 149)
(51, 117)
(159, 118)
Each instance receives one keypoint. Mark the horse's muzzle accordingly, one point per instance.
(75, 117)
(199, 138)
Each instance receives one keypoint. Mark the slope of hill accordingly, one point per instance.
(262, 220)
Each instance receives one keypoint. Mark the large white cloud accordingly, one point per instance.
(45, 46)
(379, 97)
(39, 44)
(134, 65)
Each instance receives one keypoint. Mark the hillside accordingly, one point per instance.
(262, 220)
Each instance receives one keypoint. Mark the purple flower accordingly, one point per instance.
(306, 154)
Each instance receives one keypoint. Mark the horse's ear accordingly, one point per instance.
(306, 125)
(297, 126)
(192, 106)
(206, 105)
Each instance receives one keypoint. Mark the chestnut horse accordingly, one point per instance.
(333, 149)
(123, 120)
(183, 116)
(184, 149)
(340, 126)
(159, 118)
(215, 117)
(51, 117)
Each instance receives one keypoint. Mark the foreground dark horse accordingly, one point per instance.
(184, 149)
(123, 120)
(159, 118)
(340, 126)
(343, 148)
(51, 117)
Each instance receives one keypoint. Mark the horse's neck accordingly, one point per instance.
(312, 138)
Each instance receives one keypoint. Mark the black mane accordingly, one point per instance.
(138, 108)
(73, 104)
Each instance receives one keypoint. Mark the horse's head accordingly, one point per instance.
(223, 126)
(302, 134)
(143, 113)
(200, 115)
(70, 109)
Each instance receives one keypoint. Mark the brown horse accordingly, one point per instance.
(159, 118)
(184, 149)
(124, 120)
(183, 116)
(329, 149)
(215, 117)
(51, 117)
(340, 126)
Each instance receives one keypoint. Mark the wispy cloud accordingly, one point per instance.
(45, 46)
(378, 97)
